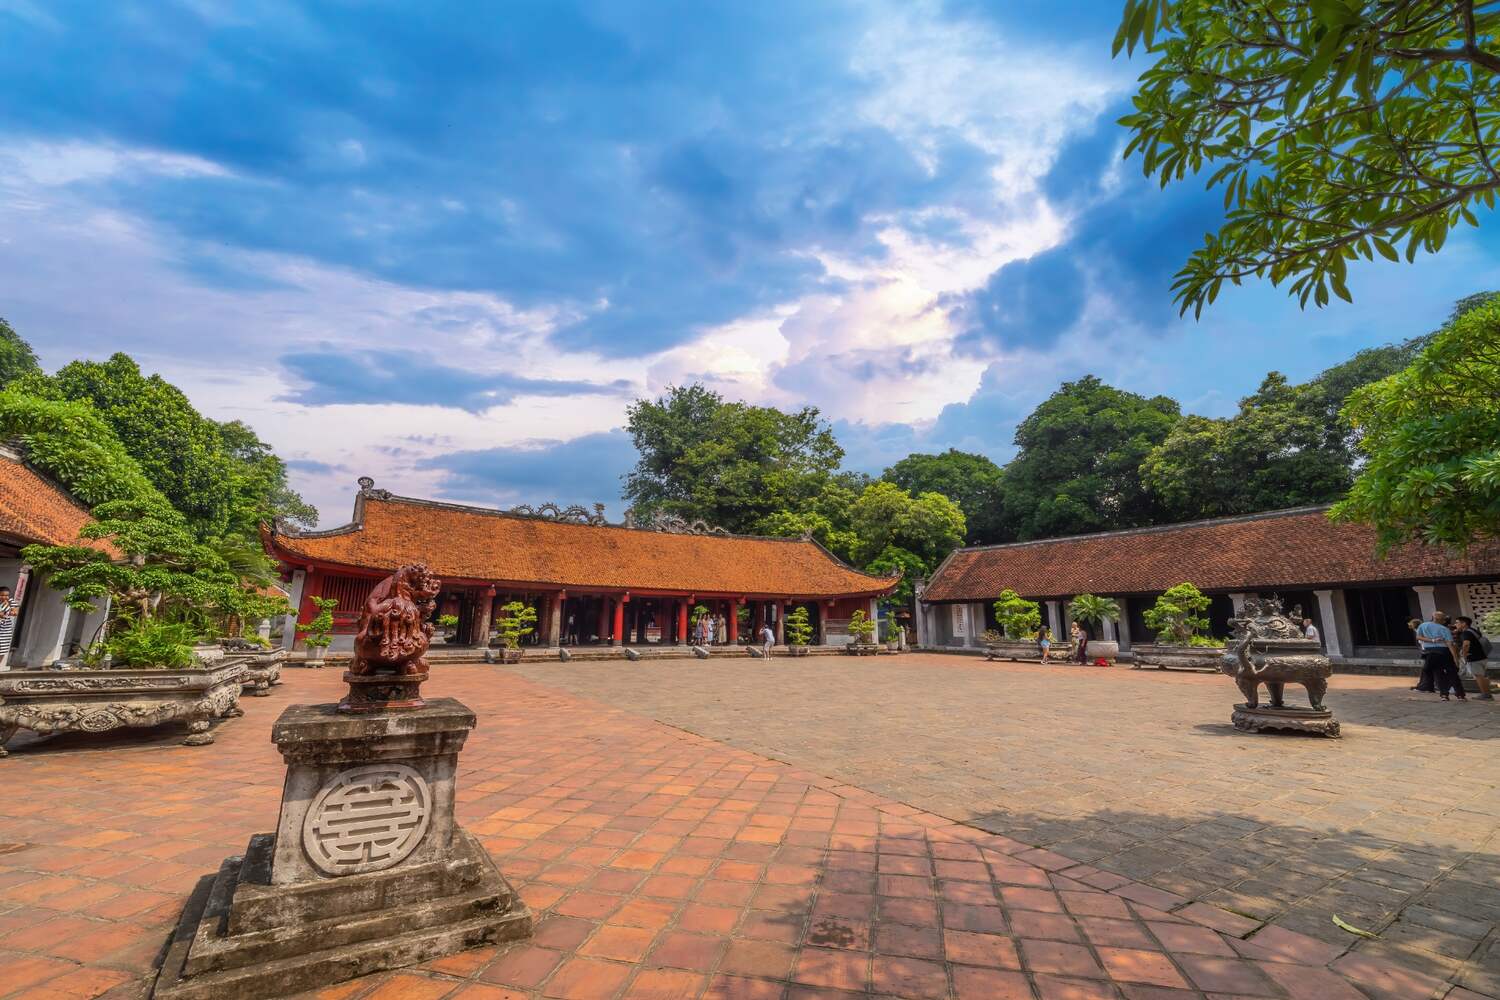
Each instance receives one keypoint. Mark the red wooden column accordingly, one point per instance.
(682, 622)
(617, 637)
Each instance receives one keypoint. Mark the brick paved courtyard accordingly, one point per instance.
(1140, 773)
(667, 864)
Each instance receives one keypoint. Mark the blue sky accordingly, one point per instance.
(445, 245)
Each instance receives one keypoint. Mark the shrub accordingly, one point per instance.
(1018, 618)
(319, 631)
(152, 642)
(861, 628)
(1093, 610)
(1176, 618)
(990, 637)
(799, 628)
(698, 613)
(447, 621)
(517, 621)
(1491, 623)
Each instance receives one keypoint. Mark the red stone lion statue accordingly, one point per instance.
(395, 626)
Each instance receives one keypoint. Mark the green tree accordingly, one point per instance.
(969, 480)
(16, 356)
(1080, 455)
(1177, 615)
(799, 628)
(1430, 438)
(929, 525)
(730, 463)
(1337, 129)
(1017, 617)
(1093, 610)
(178, 449)
(517, 620)
(825, 518)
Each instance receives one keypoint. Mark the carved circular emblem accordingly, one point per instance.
(98, 722)
(367, 819)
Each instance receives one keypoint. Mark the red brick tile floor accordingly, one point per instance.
(660, 864)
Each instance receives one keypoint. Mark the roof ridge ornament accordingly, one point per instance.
(674, 524)
(367, 489)
(572, 514)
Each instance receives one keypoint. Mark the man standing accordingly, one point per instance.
(1081, 638)
(767, 639)
(1472, 655)
(1310, 631)
(1440, 655)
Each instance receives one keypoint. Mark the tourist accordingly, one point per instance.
(1440, 656)
(1310, 631)
(1472, 656)
(1081, 642)
(7, 624)
(1424, 679)
(721, 629)
(767, 639)
(1044, 640)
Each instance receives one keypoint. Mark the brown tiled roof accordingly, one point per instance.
(1283, 549)
(475, 543)
(34, 509)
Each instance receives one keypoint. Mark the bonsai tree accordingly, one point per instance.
(1017, 617)
(1092, 610)
(319, 631)
(798, 628)
(517, 620)
(447, 622)
(861, 629)
(1177, 617)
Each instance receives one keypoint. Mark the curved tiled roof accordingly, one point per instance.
(33, 509)
(1298, 548)
(476, 543)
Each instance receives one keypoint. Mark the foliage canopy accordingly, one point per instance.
(1337, 129)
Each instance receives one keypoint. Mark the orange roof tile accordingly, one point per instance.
(476, 543)
(1282, 549)
(34, 509)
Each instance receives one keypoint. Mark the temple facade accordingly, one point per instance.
(1360, 603)
(591, 583)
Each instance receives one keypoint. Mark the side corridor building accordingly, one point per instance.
(1360, 603)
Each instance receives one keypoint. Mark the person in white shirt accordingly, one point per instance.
(768, 640)
(1310, 631)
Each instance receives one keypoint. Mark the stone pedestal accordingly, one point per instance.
(1289, 720)
(367, 869)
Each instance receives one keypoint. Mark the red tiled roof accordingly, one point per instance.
(1282, 549)
(476, 543)
(34, 509)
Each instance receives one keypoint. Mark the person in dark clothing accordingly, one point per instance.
(1440, 655)
(1081, 637)
(1472, 658)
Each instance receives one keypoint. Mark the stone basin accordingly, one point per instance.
(96, 701)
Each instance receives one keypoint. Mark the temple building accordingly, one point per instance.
(590, 582)
(1360, 603)
(36, 511)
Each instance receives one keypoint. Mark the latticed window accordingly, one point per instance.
(351, 593)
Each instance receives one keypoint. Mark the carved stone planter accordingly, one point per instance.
(796, 651)
(862, 649)
(263, 672)
(1165, 657)
(1014, 649)
(96, 701)
(509, 655)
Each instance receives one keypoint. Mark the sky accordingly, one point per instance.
(446, 245)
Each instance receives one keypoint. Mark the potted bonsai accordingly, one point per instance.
(319, 631)
(861, 635)
(517, 620)
(1093, 612)
(447, 625)
(798, 631)
(1177, 619)
(1019, 621)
